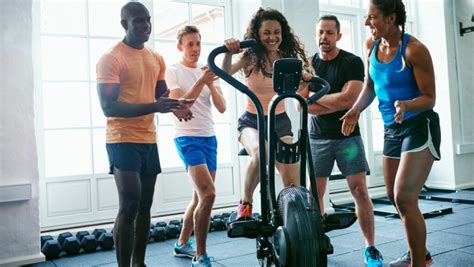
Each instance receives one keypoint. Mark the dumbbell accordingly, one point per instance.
(159, 233)
(104, 238)
(45, 238)
(218, 224)
(88, 241)
(225, 218)
(69, 243)
(161, 224)
(211, 225)
(178, 224)
(50, 247)
(172, 231)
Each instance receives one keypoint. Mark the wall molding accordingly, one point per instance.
(462, 149)
(16, 192)
(22, 260)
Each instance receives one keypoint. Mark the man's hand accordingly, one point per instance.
(184, 112)
(207, 76)
(165, 104)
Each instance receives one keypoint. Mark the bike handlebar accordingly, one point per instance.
(318, 93)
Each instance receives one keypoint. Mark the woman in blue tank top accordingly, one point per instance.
(400, 74)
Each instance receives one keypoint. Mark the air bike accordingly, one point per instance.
(290, 231)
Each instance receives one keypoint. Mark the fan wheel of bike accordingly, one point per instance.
(300, 216)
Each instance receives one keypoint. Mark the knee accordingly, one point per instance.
(359, 192)
(208, 198)
(145, 206)
(253, 153)
(404, 202)
(129, 208)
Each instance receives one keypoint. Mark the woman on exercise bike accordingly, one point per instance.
(275, 40)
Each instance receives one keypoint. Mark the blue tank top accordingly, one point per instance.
(391, 83)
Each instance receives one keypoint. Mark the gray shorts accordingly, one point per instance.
(348, 153)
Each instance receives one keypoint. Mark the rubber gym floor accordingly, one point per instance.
(450, 240)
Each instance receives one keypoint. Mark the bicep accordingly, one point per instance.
(352, 89)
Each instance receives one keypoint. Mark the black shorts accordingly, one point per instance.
(413, 135)
(134, 157)
(282, 123)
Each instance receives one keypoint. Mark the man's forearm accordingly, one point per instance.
(317, 109)
(127, 110)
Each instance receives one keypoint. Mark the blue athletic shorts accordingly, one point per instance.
(196, 150)
(413, 135)
(348, 153)
(134, 157)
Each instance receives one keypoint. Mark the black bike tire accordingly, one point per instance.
(302, 220)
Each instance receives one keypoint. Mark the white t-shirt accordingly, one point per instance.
(182, 77)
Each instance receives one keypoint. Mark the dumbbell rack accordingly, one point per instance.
(99, 239)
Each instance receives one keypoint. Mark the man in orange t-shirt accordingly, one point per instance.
(131, 87)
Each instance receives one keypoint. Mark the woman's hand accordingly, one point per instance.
(306, 76)
(233, 45)
(349, 121)
(400, 109)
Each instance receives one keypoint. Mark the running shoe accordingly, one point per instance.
(245, 211)
(405, 260)
(203, 261)
(187, 250)
(373, 257)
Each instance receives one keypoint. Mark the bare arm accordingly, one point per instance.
(367, 94)
(315, 108)
(419, 58)
(218, 98)
(365, 98)
(207, 77)
(342, 100)
(234, 47)
(108, 97)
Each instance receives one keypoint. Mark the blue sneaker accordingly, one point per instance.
(203, 261)
(373, 257)
(186, 250)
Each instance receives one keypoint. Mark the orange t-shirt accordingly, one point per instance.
(137, 71)
(263, 89)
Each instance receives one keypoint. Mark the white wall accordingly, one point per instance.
(439, 31)
(19, 221)
(463, 102)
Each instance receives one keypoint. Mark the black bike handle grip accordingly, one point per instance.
(319, 93)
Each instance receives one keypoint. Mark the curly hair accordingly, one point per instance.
(290, 46)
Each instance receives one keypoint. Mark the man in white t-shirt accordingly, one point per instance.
(195, 140)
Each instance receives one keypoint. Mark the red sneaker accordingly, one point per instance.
(245, 211)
